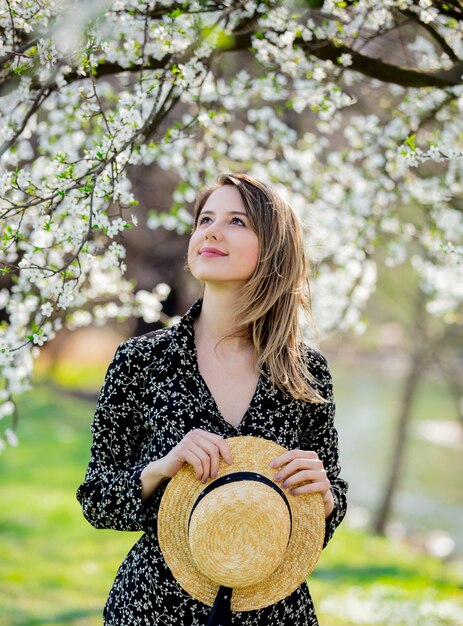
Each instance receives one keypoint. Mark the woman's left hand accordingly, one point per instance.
(303, 466)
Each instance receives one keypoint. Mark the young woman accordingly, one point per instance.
(233, 365)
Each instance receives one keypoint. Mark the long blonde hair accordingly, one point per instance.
(270, 302)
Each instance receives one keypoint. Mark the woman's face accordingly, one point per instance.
(223, 248)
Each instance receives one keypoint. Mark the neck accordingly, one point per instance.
(217, 318)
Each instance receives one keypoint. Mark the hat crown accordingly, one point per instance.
(239, 533)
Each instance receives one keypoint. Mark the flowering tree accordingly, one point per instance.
(90, 90)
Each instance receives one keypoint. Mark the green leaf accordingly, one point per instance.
(87, 188)
(175, 13)
(225, 40)
(410, 141)
(20, 69)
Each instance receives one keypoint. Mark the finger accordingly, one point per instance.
(225, 452)
(206, 444)
(196, 463)
(199, 438)
(214, 459)
(214, 456)
(300, 490)
(199, 460)
(299, 477)
(222, 445)
(211, 446)
(297, 465)
(286, 457)
(214, 445)
(309, 488)
(317, 478)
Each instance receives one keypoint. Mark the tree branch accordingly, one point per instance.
(450, 8)
(369, 66)
(18, 51)
(434, 34)
(39, 100)
(383, 71)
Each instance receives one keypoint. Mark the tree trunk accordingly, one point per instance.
(410, 387)
(408, 394)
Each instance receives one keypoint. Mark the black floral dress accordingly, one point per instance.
(152, 396)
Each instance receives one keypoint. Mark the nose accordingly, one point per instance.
(213, 233)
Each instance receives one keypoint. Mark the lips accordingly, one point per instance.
(211, 252)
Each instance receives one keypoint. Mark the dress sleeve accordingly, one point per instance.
(322, 437)
(111, 492)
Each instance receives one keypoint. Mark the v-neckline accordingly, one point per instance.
(216, 406)
(186, 347)
(211, 396)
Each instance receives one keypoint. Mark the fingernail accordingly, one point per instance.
(272, 463)
(277, 477)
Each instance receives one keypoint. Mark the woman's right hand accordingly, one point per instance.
(201, 449)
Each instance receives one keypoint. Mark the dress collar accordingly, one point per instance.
(183, 347)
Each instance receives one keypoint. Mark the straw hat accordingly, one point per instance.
(241, 530)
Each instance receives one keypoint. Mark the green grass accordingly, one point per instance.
(55, 569)
(399, 579)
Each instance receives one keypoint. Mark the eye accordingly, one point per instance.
(203, 220)
(237, 220)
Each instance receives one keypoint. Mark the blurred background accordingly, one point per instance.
(398, 381)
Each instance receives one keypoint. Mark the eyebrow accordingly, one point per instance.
(228, 212)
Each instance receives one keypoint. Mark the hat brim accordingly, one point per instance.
(302, 553)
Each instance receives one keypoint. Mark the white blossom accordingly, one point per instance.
(48, 54)
(7, 408)
(11, 437)
(345, 59)
(47, 309)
